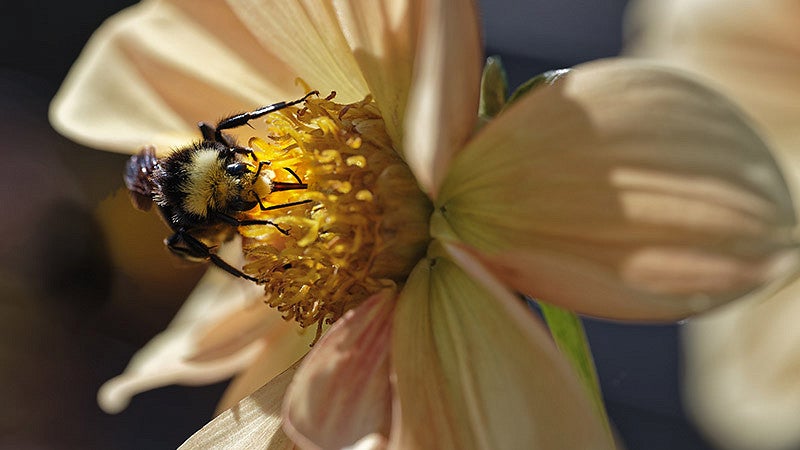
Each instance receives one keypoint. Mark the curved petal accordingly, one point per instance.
(443, 103)
(383, 38)
(307, 37)
(282, 345)
(741, 366)
(476, 369)
(625, 191)
(341, 393)
(151, 72)
(255, 422)
(750, 49)
(174, 356)
(741, 362)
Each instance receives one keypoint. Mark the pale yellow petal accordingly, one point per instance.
(151, 72)
(254, 423)
(741, 366)
(283, 345)
(341, 392)
(307, 37)
(443, 103)
(742, 361)
(236, 330)
(624, 191)
(750, 49)
(476, 369)
(172, 357)
(383, 38)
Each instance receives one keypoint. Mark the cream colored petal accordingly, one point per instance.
(383, 38)
(283, 345)
(308, 38)
(443, 103)
(742, 365)
(341, 393)
(741, 362)
(174, 356)
(624, 191)
(254, 423)
(748, 49)
(476, 369)
(151, 72)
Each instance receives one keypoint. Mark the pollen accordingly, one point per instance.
(364, 228)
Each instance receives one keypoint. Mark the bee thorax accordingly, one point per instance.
(208, 186)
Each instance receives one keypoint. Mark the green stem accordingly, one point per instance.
(570, 338)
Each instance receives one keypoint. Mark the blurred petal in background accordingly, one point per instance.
(742, 384)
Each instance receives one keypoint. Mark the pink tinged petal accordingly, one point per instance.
(151, 72)
(185, 353)
(741, 380)
(443, 104)
(306, 36)
(624, 191)
(341, 393)
(254, 423)
(283, 345)
(476, 369)
(383, 38)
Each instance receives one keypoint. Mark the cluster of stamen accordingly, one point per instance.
(364, 228)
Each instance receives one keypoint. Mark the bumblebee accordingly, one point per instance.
(200, 189)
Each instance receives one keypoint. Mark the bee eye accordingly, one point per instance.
(237, 169)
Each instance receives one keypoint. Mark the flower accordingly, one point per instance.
(740, 384)
(621, 190)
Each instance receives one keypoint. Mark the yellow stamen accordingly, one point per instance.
(365, 227)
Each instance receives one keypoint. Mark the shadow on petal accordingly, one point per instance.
(172, 356)
(443, 102)
(624, 190)
(476, 369)
(341, 393)
(255, 422)
(383, 38)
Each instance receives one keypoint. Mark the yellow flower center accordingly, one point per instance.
(364, 228)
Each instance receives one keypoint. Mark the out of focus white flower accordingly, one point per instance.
(742, 383)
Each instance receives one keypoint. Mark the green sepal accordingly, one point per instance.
(546, 78)
(570, 338)
(494, 88)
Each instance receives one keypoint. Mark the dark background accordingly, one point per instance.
(72, 313)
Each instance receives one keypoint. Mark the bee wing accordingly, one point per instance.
(138, 177)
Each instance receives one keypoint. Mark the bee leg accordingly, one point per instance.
(282, 205)
(243, 151)
(249, 222)
(209, 133)
(282, 185)
(188, 247)
(243, 118)
(261, 165)
(296, 177)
